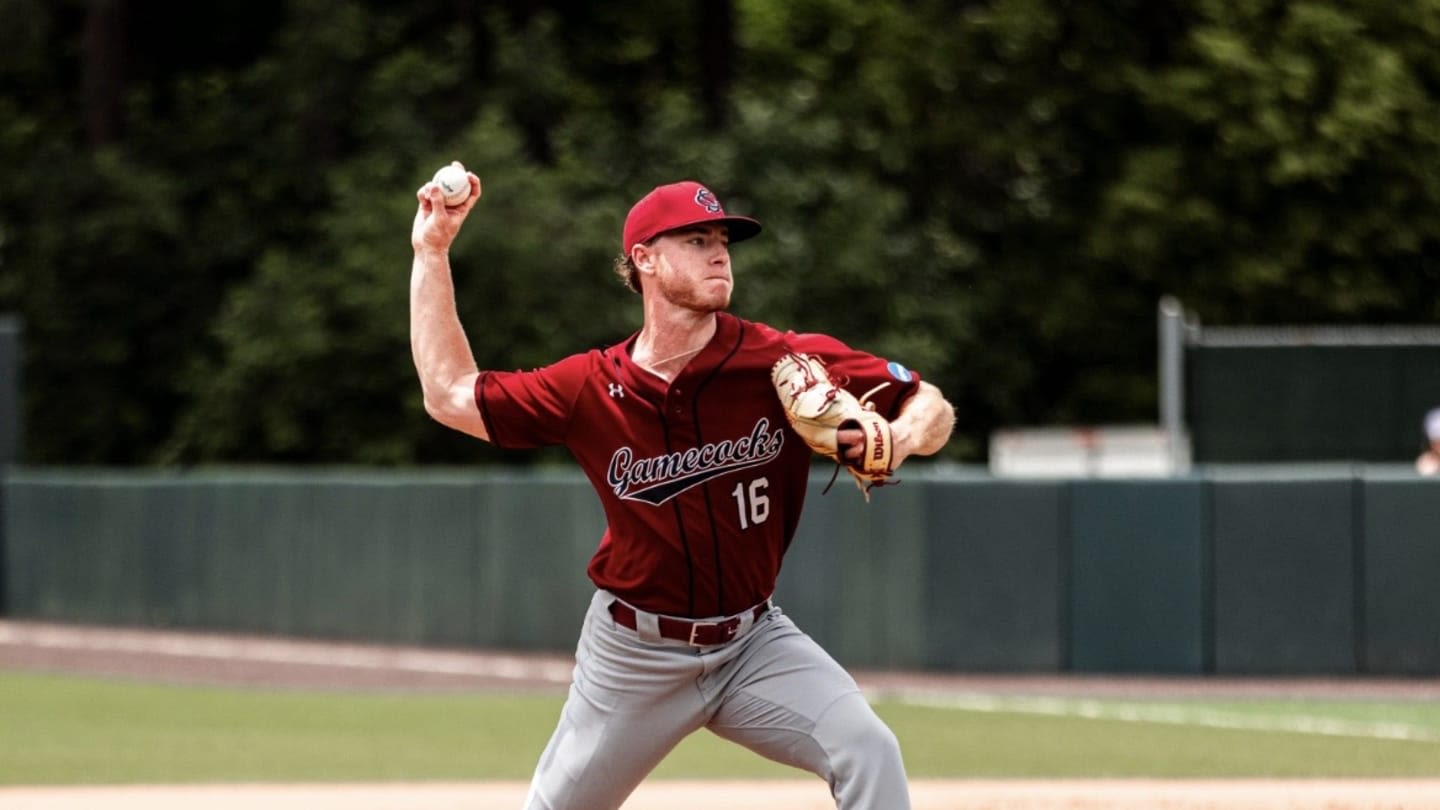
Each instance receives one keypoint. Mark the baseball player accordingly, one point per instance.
(702, 477)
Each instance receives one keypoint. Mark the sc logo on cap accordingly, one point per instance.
(899, 372)
(706, 200)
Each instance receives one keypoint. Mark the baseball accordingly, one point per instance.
(453, 183)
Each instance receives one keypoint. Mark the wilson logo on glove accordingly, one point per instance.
(880, 438)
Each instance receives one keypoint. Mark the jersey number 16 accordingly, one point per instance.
(752, 502)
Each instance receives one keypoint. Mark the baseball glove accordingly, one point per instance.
(817, 408)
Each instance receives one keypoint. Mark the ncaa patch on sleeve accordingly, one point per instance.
(899, 372)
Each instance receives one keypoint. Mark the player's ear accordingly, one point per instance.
(643, 257)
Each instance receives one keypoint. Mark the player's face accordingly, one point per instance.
(693, 268)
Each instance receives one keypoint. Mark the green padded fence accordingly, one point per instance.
(1230, 570)
(419, 558)
(871, 600)
(1139, 569)
(995, 576)
(1284, 574)
(1400, 575)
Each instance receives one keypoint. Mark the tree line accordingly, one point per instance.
(206, 233)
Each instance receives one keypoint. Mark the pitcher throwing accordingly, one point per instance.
(702, 477)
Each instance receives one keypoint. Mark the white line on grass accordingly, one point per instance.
(1169, 714)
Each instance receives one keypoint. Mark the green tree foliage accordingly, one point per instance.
(209, 243)
(1294, 170)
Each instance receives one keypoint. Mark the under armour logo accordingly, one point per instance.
(616, 391)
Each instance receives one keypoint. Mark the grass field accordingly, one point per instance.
(75, 730)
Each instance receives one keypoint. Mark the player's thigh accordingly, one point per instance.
(597, 756)
(790, 701)
(629, 704)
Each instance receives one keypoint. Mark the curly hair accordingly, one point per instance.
(628, 272)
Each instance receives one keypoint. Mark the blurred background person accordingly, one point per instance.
(1429, 461)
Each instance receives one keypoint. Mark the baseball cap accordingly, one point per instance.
(1432, 424)
(679, 205)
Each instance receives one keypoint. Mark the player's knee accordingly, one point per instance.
(878, 745)
(856, 737)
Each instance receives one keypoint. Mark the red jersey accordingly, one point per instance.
(702, 479)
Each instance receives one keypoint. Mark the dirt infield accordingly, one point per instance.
(239, 660)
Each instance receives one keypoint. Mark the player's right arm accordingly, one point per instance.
(441, 351)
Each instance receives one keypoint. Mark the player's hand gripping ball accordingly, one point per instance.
(454, 184)
(818, 409)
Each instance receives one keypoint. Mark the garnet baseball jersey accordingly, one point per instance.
(701, 479)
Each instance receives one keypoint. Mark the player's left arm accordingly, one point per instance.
(923, 426)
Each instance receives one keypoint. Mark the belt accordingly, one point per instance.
(694, 633)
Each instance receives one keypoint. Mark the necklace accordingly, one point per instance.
(662, 361)
(655, 365)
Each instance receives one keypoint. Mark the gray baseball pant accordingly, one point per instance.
(772, 689)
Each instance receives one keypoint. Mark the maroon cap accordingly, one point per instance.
(679, 205)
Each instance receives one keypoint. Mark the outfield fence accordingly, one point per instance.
(1233, 570)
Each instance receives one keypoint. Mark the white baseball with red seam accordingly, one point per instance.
(454, 184)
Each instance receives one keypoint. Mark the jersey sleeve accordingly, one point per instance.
(524, 409)
(858, 372)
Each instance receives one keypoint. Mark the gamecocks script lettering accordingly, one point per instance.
(657, 479)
